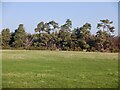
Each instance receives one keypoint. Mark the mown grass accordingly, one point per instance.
(59, 69)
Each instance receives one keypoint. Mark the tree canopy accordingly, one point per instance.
(52, 36)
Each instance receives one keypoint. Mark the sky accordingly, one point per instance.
(60, 0)
(31, 13)
(0, 15)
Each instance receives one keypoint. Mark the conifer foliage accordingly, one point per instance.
(51, 36)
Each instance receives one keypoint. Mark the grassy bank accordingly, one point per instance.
(59, 69)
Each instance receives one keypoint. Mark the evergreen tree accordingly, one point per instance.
(6, 38)
(64, 35)
(20, 37)
(104, 35)
(83, 35)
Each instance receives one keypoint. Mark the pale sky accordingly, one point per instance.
(30, 14)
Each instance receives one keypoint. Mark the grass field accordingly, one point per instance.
(59, 69)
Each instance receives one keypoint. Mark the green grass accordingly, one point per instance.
(59, 69)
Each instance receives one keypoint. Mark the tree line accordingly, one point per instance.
(52, 36)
